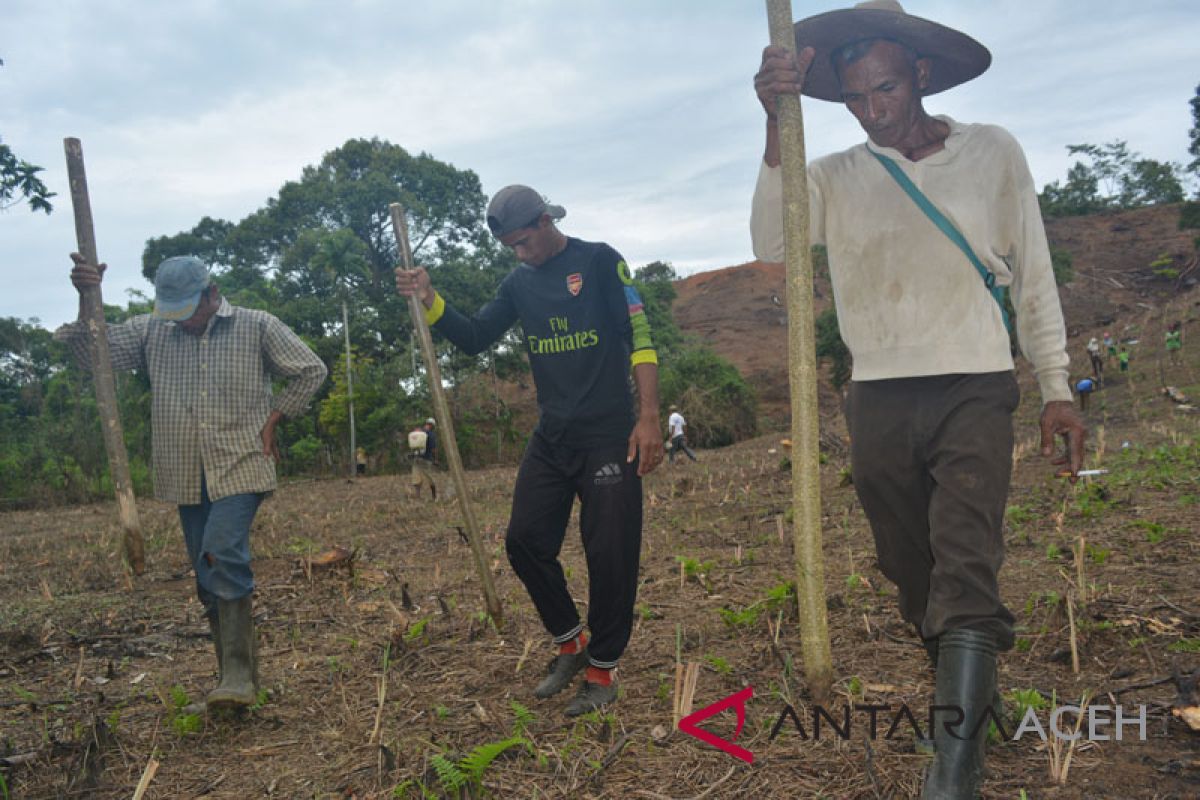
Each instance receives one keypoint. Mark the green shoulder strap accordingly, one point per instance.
(946, 227)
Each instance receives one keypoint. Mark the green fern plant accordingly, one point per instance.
(467, 772)
(522, 717)
(479, 759)
(449, 775)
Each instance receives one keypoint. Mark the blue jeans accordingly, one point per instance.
(217, 535)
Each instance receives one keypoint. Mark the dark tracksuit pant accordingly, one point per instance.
(931, 459)
(610, 493)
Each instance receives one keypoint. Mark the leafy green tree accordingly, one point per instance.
(19, 182)
(1114, 178)
(1147, 182)
(1194, 137)
(1063, 265)
(1080, 195)
(655, 283)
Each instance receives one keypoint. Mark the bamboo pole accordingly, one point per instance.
(350, 393)
(441, 412)
(92, 312)
(802, 370)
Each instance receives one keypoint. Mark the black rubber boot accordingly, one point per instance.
(966, 680)
(237, 688)
(560, 673)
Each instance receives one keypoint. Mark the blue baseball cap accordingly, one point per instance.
(177, 287)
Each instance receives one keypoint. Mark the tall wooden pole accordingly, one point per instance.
(441, 412)
(92, 306)
(802, 372)
(350, 393)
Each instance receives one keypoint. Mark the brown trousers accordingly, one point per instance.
(932, 458)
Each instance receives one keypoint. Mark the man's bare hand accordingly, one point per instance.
(85, 275)
(645, 443)
(780, 73)
(267, 434)
(1059, 418)
(416, 281)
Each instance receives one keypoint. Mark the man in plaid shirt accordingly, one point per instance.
(210, 366)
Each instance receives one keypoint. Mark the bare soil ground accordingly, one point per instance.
(379, 673)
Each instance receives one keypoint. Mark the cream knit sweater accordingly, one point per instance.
(909, 302)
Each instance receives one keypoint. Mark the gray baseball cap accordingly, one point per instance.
(515, 207)
(177, 287)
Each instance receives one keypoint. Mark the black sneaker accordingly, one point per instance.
(590, 697)
(561, 670)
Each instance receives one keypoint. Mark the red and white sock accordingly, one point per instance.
(573, 646)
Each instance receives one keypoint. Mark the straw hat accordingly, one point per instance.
(956, 57)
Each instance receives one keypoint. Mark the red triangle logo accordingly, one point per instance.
(690, 724)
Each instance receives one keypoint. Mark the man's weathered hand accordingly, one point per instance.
(645, 443)
(780, 73)
(85, 275)
(270, 446)
(1059, 418)
(416, 281)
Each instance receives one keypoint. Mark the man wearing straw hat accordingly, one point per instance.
(923, 222)
(585, 330)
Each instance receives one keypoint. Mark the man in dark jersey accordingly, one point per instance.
(584, 329)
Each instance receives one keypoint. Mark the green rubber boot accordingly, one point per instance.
(237, 688)
(966, 680)
(214, 627)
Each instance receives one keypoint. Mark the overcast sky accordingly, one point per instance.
(637, 115)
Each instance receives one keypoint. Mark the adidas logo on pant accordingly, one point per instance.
(608, 475)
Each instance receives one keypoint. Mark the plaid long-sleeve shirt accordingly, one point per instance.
(211, 394)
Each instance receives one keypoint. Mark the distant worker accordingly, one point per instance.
(1110, 345)
(1174, 342)
(211, 365)
(584, 330)
(360, 461)
(422, 447)
(1123, 358)
(675, 426)
(1096, 357)
(1084, 388)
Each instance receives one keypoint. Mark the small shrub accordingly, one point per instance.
(416, 630)
(719, 665)
(186, 724)
(1025, 699)
(1155, 532)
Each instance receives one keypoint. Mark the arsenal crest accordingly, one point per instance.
(575, 283)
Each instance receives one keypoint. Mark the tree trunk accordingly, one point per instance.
(102, 371)
(802, 364)
(441, 412)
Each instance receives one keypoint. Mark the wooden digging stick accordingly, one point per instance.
(92, 306)
(441, 412)
(802, 370)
